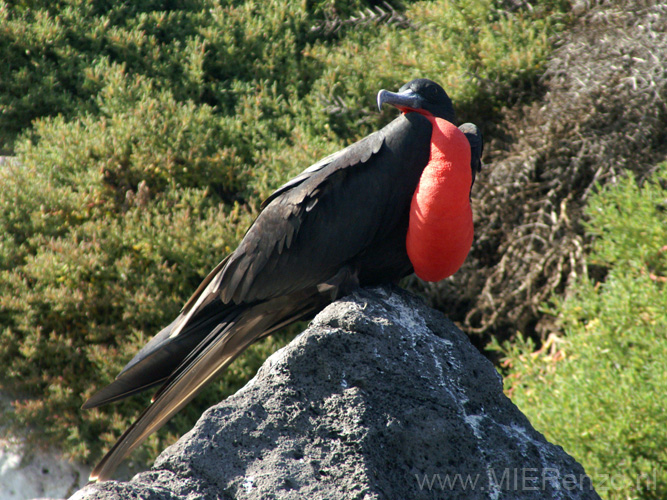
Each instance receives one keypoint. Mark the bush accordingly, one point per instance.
(599, 390)
(146, 137)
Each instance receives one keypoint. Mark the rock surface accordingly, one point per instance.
(34, 474)
(380, 398)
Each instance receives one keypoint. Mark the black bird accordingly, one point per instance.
(369, 214)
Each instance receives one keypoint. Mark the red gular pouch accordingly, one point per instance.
(440, 231)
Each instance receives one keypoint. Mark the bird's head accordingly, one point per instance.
(422, 96)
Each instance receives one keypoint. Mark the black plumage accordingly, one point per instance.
(340, 224)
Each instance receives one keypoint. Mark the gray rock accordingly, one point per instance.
(380, 398)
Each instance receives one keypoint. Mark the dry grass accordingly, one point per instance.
(603, 113)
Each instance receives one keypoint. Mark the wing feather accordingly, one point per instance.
(324, 217)
(325, 221)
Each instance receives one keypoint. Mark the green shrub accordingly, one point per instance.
(599, 390)
(146, 137)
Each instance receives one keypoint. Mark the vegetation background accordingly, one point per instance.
(142, 138)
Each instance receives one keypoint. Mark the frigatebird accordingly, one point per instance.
(396, 201)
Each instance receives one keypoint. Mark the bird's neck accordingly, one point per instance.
(440, 231)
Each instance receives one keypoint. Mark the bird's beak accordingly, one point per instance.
(405, 101)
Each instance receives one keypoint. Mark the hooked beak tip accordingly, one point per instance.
(380, 99)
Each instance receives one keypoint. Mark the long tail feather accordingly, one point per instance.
(214, 353)
(158, 359)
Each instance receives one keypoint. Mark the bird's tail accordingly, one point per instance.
(210, 342)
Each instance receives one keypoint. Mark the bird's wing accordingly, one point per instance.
(313, 224)
(359, 152)
(311, 227)
(328, 215)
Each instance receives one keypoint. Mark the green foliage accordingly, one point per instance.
(147, 134)
(599, 391)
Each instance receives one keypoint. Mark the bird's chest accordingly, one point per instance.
(440, 230)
